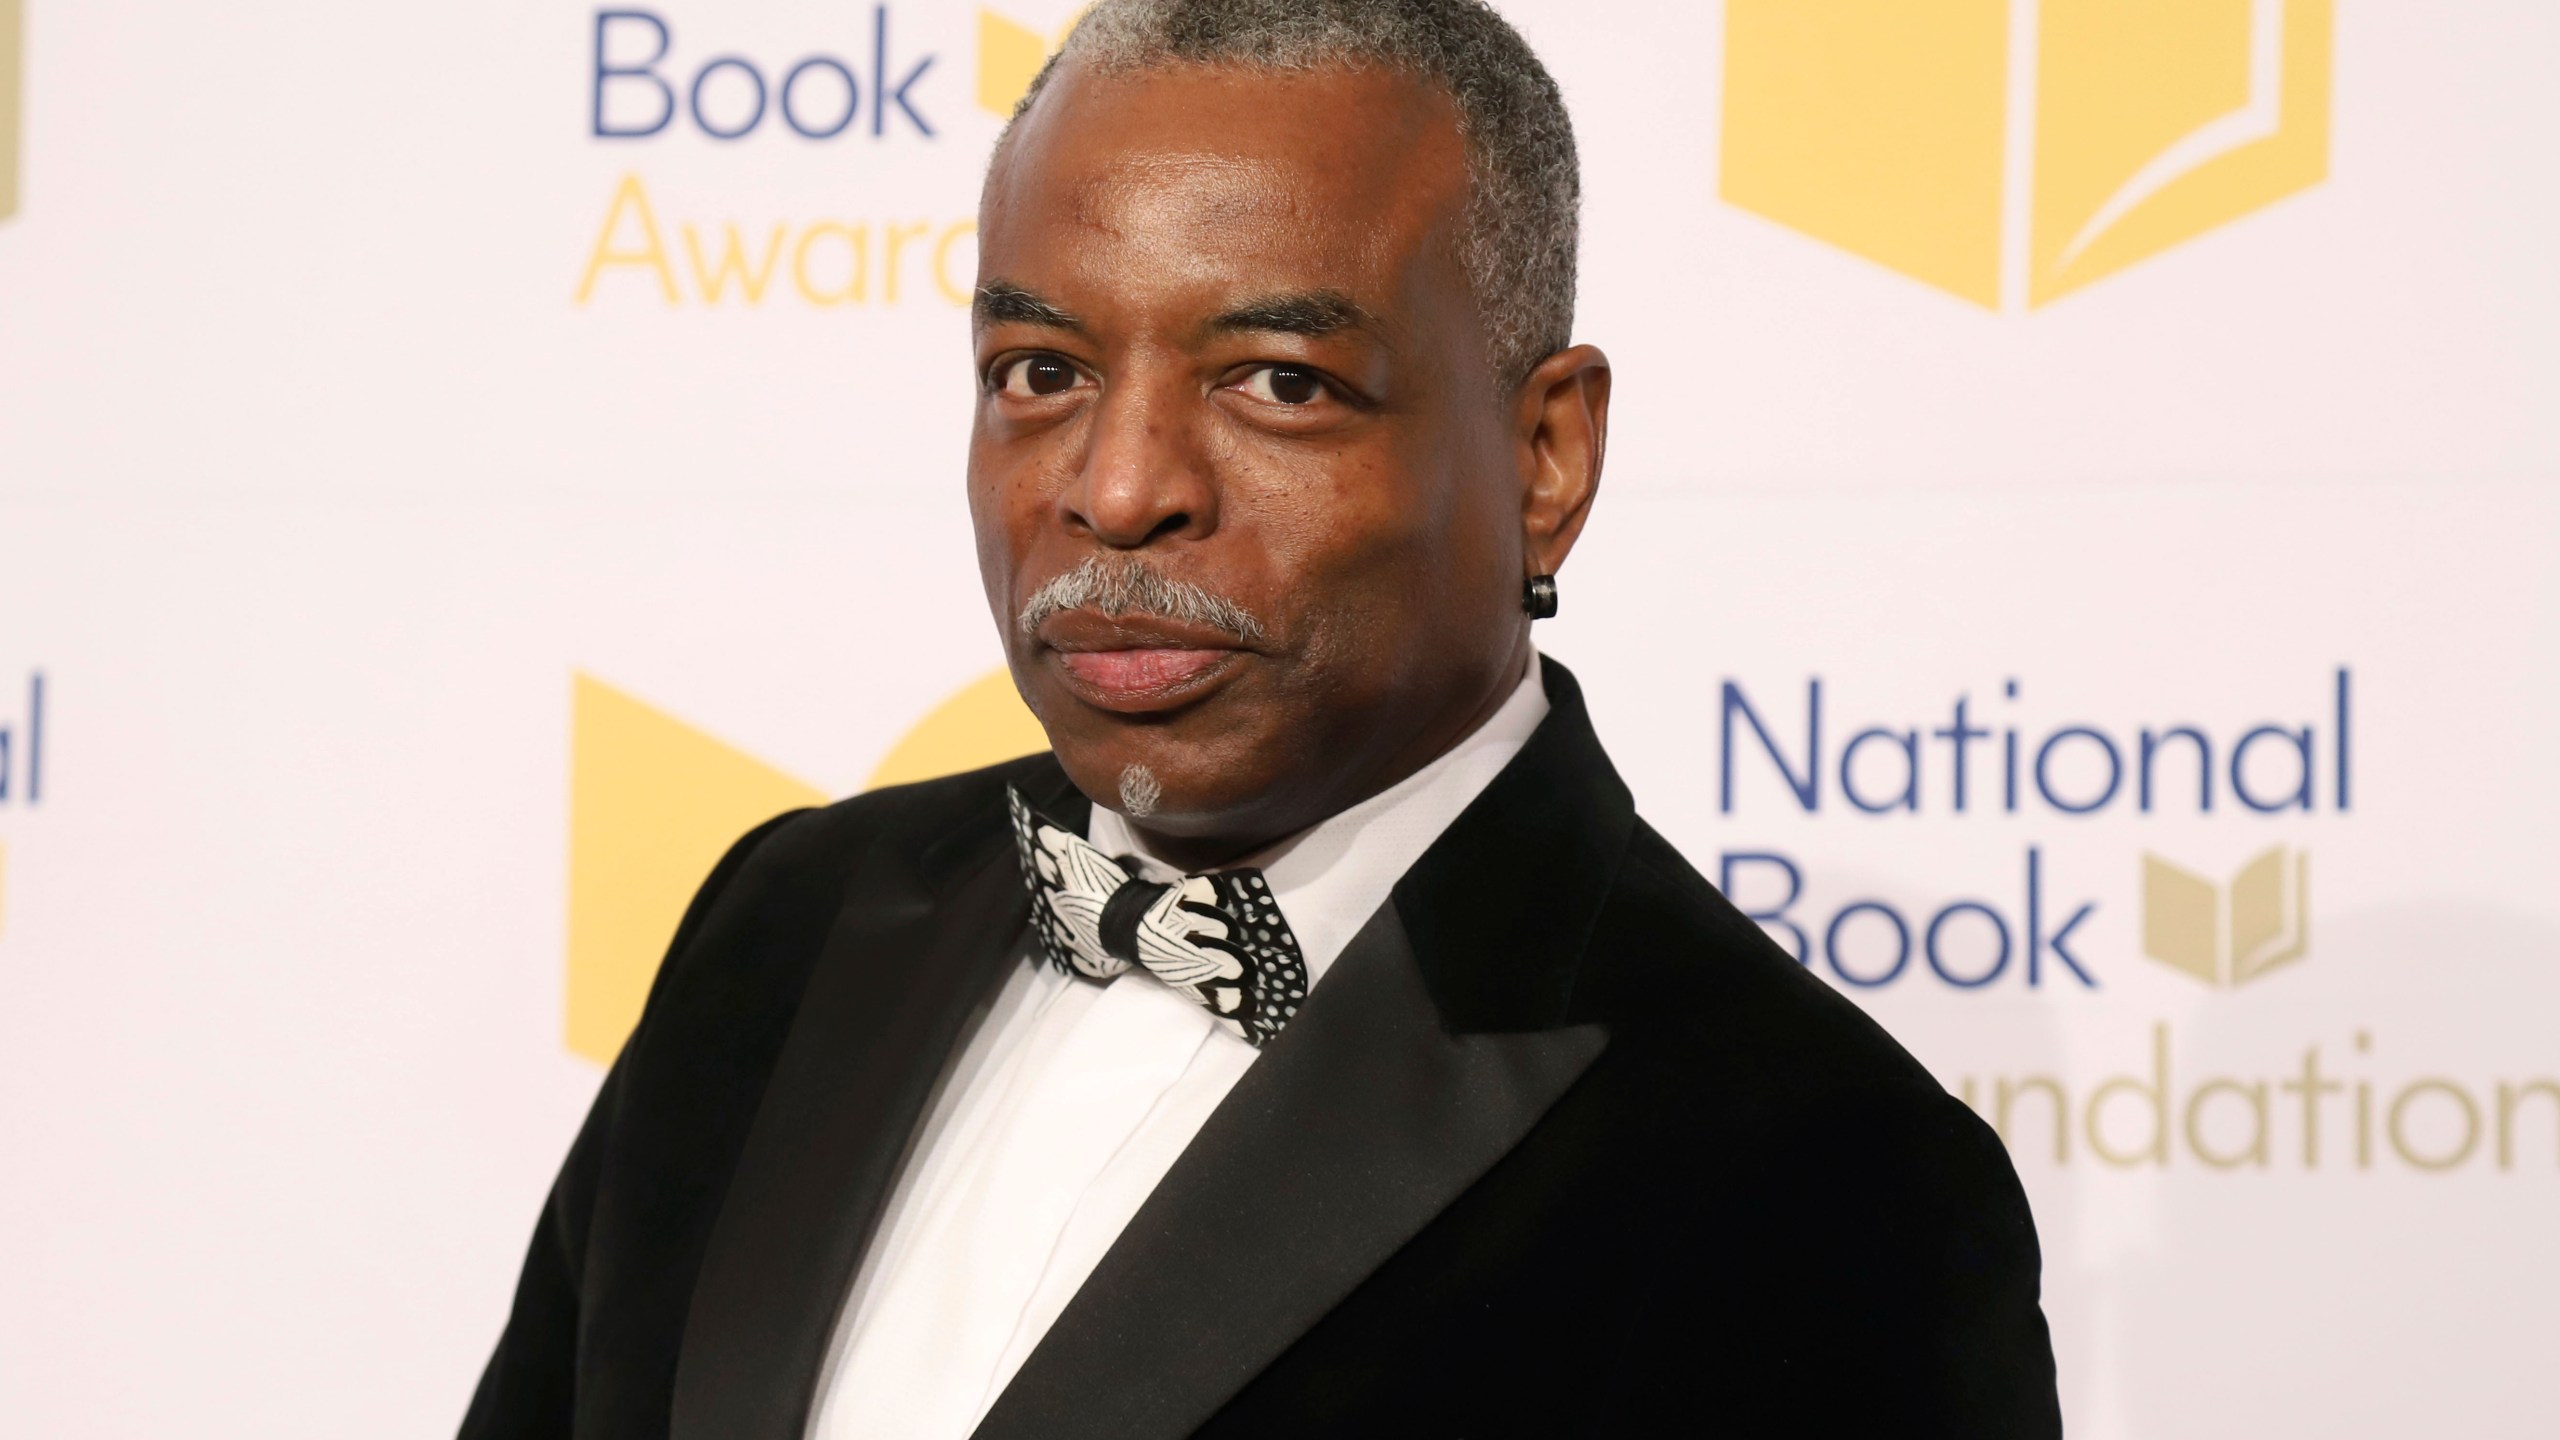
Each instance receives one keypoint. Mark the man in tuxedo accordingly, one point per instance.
(1315, 1042)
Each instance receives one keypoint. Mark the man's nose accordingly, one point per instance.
(1146, 475)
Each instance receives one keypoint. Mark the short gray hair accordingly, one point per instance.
(1522, 227)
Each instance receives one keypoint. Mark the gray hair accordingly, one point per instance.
(1140, 792)
(1522, 225)
(1126, 585)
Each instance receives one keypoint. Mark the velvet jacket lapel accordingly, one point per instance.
(1434, 1045)
(921, 941)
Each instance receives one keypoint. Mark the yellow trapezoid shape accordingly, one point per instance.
(653, 804)
(1878, 126)
(1010, 55)
(982, 723)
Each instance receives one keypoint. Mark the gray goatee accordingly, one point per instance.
(1139, 792)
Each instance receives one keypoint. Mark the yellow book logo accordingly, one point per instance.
(2227, 935)
(1010, 55)
(13, 33)
(1885, 127)
(654, 803)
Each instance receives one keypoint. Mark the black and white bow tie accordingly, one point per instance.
(1217, 938)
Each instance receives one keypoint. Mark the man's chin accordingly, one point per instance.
(1207, 764)
(1167, 796)
(1172, 790)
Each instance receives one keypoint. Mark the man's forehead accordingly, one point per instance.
(1134, 194)
(1354, 162)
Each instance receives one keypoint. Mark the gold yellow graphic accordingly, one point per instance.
(1010, 55)
(1884, 127)
(2228, 935)
(984, 722)
(827, 263)
(654, 803)
(12, 77)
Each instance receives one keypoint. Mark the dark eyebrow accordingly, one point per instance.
(1317, 312)
(1001, 302)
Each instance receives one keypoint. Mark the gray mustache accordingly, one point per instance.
(1129, 586)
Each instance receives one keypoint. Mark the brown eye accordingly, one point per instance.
(1037, 375)
(1285, 385)
(1295, 387)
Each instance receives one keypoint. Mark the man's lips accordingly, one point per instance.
(1135, 671)
(1137, 663)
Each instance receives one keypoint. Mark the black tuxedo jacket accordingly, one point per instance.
(1562, 1145)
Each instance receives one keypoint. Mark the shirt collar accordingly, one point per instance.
(1331, 877)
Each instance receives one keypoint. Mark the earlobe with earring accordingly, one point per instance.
(1538, 596)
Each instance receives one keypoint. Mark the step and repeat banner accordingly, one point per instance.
(2080, 563)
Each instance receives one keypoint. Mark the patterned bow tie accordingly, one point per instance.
(1217, 938)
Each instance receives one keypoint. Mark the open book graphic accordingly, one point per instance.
(2012, 151)
(2227, 935)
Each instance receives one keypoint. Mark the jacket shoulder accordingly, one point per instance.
(1681, 974)
(1884, 1217)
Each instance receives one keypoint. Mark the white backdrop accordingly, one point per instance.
(320, 482)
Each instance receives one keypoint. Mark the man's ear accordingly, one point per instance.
(1561, 419)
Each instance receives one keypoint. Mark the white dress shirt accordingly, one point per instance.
(1069, 1102)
